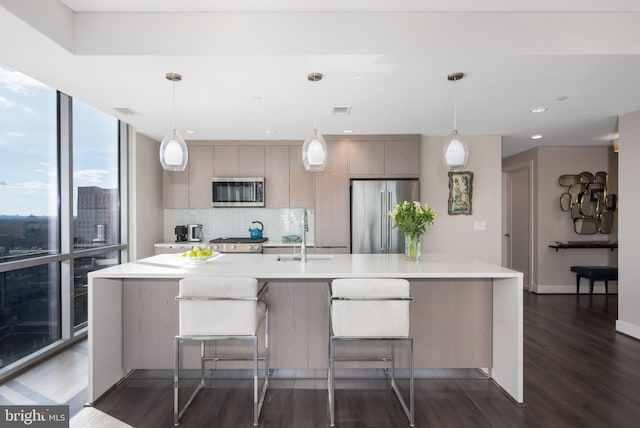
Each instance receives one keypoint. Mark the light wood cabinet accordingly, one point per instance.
(176, 188)
(298, 315)
(337, 155)
(332, 210)
(239, 161)
(385, 156)
(251, 161)
(366, 157)
(190, 188)
(402, 157)
(200, 173)
(277, 177)
(301, 191)
(225, 161)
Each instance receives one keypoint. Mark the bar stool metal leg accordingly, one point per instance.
(331, 382)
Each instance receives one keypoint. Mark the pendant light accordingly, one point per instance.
(455, 154)
(314, 149)
(174, 153)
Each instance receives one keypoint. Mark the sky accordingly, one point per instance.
(28, 158)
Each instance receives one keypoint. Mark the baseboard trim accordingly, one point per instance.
(628, 329)
(598, 288)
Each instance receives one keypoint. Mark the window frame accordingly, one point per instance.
(66, 254)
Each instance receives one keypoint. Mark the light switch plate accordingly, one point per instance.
(480, 225)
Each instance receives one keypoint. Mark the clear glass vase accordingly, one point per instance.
(412, 247)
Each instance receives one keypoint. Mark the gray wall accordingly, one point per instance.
(629, 292)
(551, 272)
(456, 234)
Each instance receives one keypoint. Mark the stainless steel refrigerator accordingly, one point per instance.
(371, 226)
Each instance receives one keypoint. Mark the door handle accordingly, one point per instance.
(382, 204)
(508, 235)
(389, 227)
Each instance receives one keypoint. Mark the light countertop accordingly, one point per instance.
(266, 266)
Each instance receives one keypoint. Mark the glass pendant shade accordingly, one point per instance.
(174, 153)
(456, 153)
(314, 152)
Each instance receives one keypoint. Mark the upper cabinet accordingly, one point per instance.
(366, 157)
(225, 161)
(238, 161)
(301, 191)
(385, 156)
(276, 179)
(176, 188)
(200, 173)
(402, 157)
(190, 188)
(287, 184)
(251, 161)
(337, 155)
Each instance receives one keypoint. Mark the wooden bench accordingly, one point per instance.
(595, 273)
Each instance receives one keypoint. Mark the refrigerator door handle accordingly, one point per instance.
(382, 224)
(389, 225)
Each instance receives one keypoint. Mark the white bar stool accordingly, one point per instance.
(370, 309)
(214, 308)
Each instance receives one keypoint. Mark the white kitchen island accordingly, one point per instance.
(466, 313)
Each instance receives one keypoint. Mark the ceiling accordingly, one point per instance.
(245, 64)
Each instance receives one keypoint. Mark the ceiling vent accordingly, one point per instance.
(341, 111)
(127, 111)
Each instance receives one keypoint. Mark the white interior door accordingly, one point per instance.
(518, 223)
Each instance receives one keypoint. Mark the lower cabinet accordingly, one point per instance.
(298, 313)
(451, 321)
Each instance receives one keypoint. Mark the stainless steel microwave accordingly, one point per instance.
(237, 192)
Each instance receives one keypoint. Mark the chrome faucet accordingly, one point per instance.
(303, 245)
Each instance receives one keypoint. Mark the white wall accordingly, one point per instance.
(456, 233)
(145, 196)
(629, 206)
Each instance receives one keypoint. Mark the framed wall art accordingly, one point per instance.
(460, 192)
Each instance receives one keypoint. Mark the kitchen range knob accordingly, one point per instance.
(233, 247)
(215, 247)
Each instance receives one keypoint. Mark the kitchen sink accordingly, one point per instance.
(298, 258)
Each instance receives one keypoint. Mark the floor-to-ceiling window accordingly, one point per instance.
(61, 175)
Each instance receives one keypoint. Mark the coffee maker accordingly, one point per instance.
(181, 233)
(194, 232)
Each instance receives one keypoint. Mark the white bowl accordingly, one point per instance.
(197, 260)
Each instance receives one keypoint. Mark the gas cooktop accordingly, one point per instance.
(238, 241)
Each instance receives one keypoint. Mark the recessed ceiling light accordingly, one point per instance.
(536, 137)
(256, 98)
(191, 131)
(347, 131)
(269, 131)
(562, 98)
(538, 110)
(357, 78)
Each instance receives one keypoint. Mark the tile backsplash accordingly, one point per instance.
(235, 222)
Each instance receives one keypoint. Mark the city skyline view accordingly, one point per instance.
(28, 135)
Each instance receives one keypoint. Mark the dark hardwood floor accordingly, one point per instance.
(578, 372)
